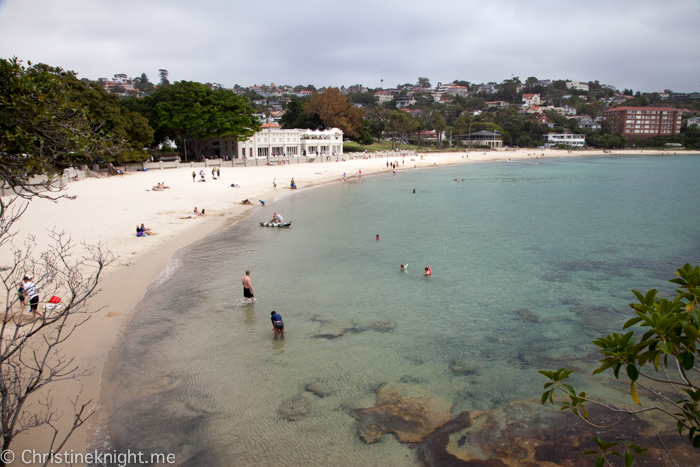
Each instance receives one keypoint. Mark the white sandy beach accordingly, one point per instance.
(108, 211)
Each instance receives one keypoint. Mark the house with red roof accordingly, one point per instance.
(531, 99)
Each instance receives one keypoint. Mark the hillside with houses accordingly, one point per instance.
(512, 113)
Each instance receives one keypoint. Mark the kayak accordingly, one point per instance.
(275, 224)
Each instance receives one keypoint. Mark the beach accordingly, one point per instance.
(107, 211)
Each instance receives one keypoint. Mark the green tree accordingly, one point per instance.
(192, 112)
(459, 126)
(423, 83)
(658, 357)
(439, 124)
(163, 77)
(377, 118)
(46, 125)
(510, 88)
(399, 126)
(295, 117)
(114, 119)
(143, 84)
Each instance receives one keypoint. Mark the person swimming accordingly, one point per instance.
(428, 271)
(377, 237)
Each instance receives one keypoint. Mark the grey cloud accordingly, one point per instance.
(646, 45)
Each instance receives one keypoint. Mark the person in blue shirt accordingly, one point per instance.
(277, 323)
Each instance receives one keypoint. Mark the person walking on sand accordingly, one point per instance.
(248, 288)
(277, 323)
(274, 183)
(194, 176)
(218, 173)
(31, 292)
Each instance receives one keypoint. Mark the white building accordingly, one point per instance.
(567, 139)
(578, 85)
(405, 101)
(457, 90)
(531, 99)
(273, 141)
(694, 121)
(381, 97)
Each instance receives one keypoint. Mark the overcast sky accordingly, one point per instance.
(647, 45)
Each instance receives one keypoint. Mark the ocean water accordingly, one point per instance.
(531, 261)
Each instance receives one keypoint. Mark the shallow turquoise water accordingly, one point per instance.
(531, 261)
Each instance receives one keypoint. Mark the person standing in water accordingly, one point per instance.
(428, 271)
(377, 237)
(277, 323)
(248, 288)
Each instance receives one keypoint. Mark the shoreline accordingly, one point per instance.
(126, 282)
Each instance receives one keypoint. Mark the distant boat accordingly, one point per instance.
(276, 224)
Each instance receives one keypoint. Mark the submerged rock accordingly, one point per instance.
(318, 389)
(527, 315)
(294, 407)
(333, 329)
(460, 367)
(378, 326)
(405, 410)
(525, 434)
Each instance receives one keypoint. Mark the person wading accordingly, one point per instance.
(248, 288)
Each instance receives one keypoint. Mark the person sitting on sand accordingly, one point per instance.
(196, 211)
(145, 230)
(428, 271)
(246, 201)
(277, 323)
(139, 232)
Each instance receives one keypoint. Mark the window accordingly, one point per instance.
(262, 152)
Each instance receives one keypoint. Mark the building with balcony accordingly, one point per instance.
(578, 85)
(566, 139)
(381, 97)
(644, 122)
(482, 138)
(273, 141)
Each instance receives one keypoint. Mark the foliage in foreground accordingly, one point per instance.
(50, 120)
(661, 361)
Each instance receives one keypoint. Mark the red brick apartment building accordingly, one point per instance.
(644, 122)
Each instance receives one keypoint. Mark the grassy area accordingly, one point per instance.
(352, 146)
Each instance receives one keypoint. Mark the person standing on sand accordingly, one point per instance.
(274, 183)
(31, 292)
(194, 176)
(248, 288)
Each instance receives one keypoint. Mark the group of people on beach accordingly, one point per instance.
(160, 187)
(215, 174)
(143, 231)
